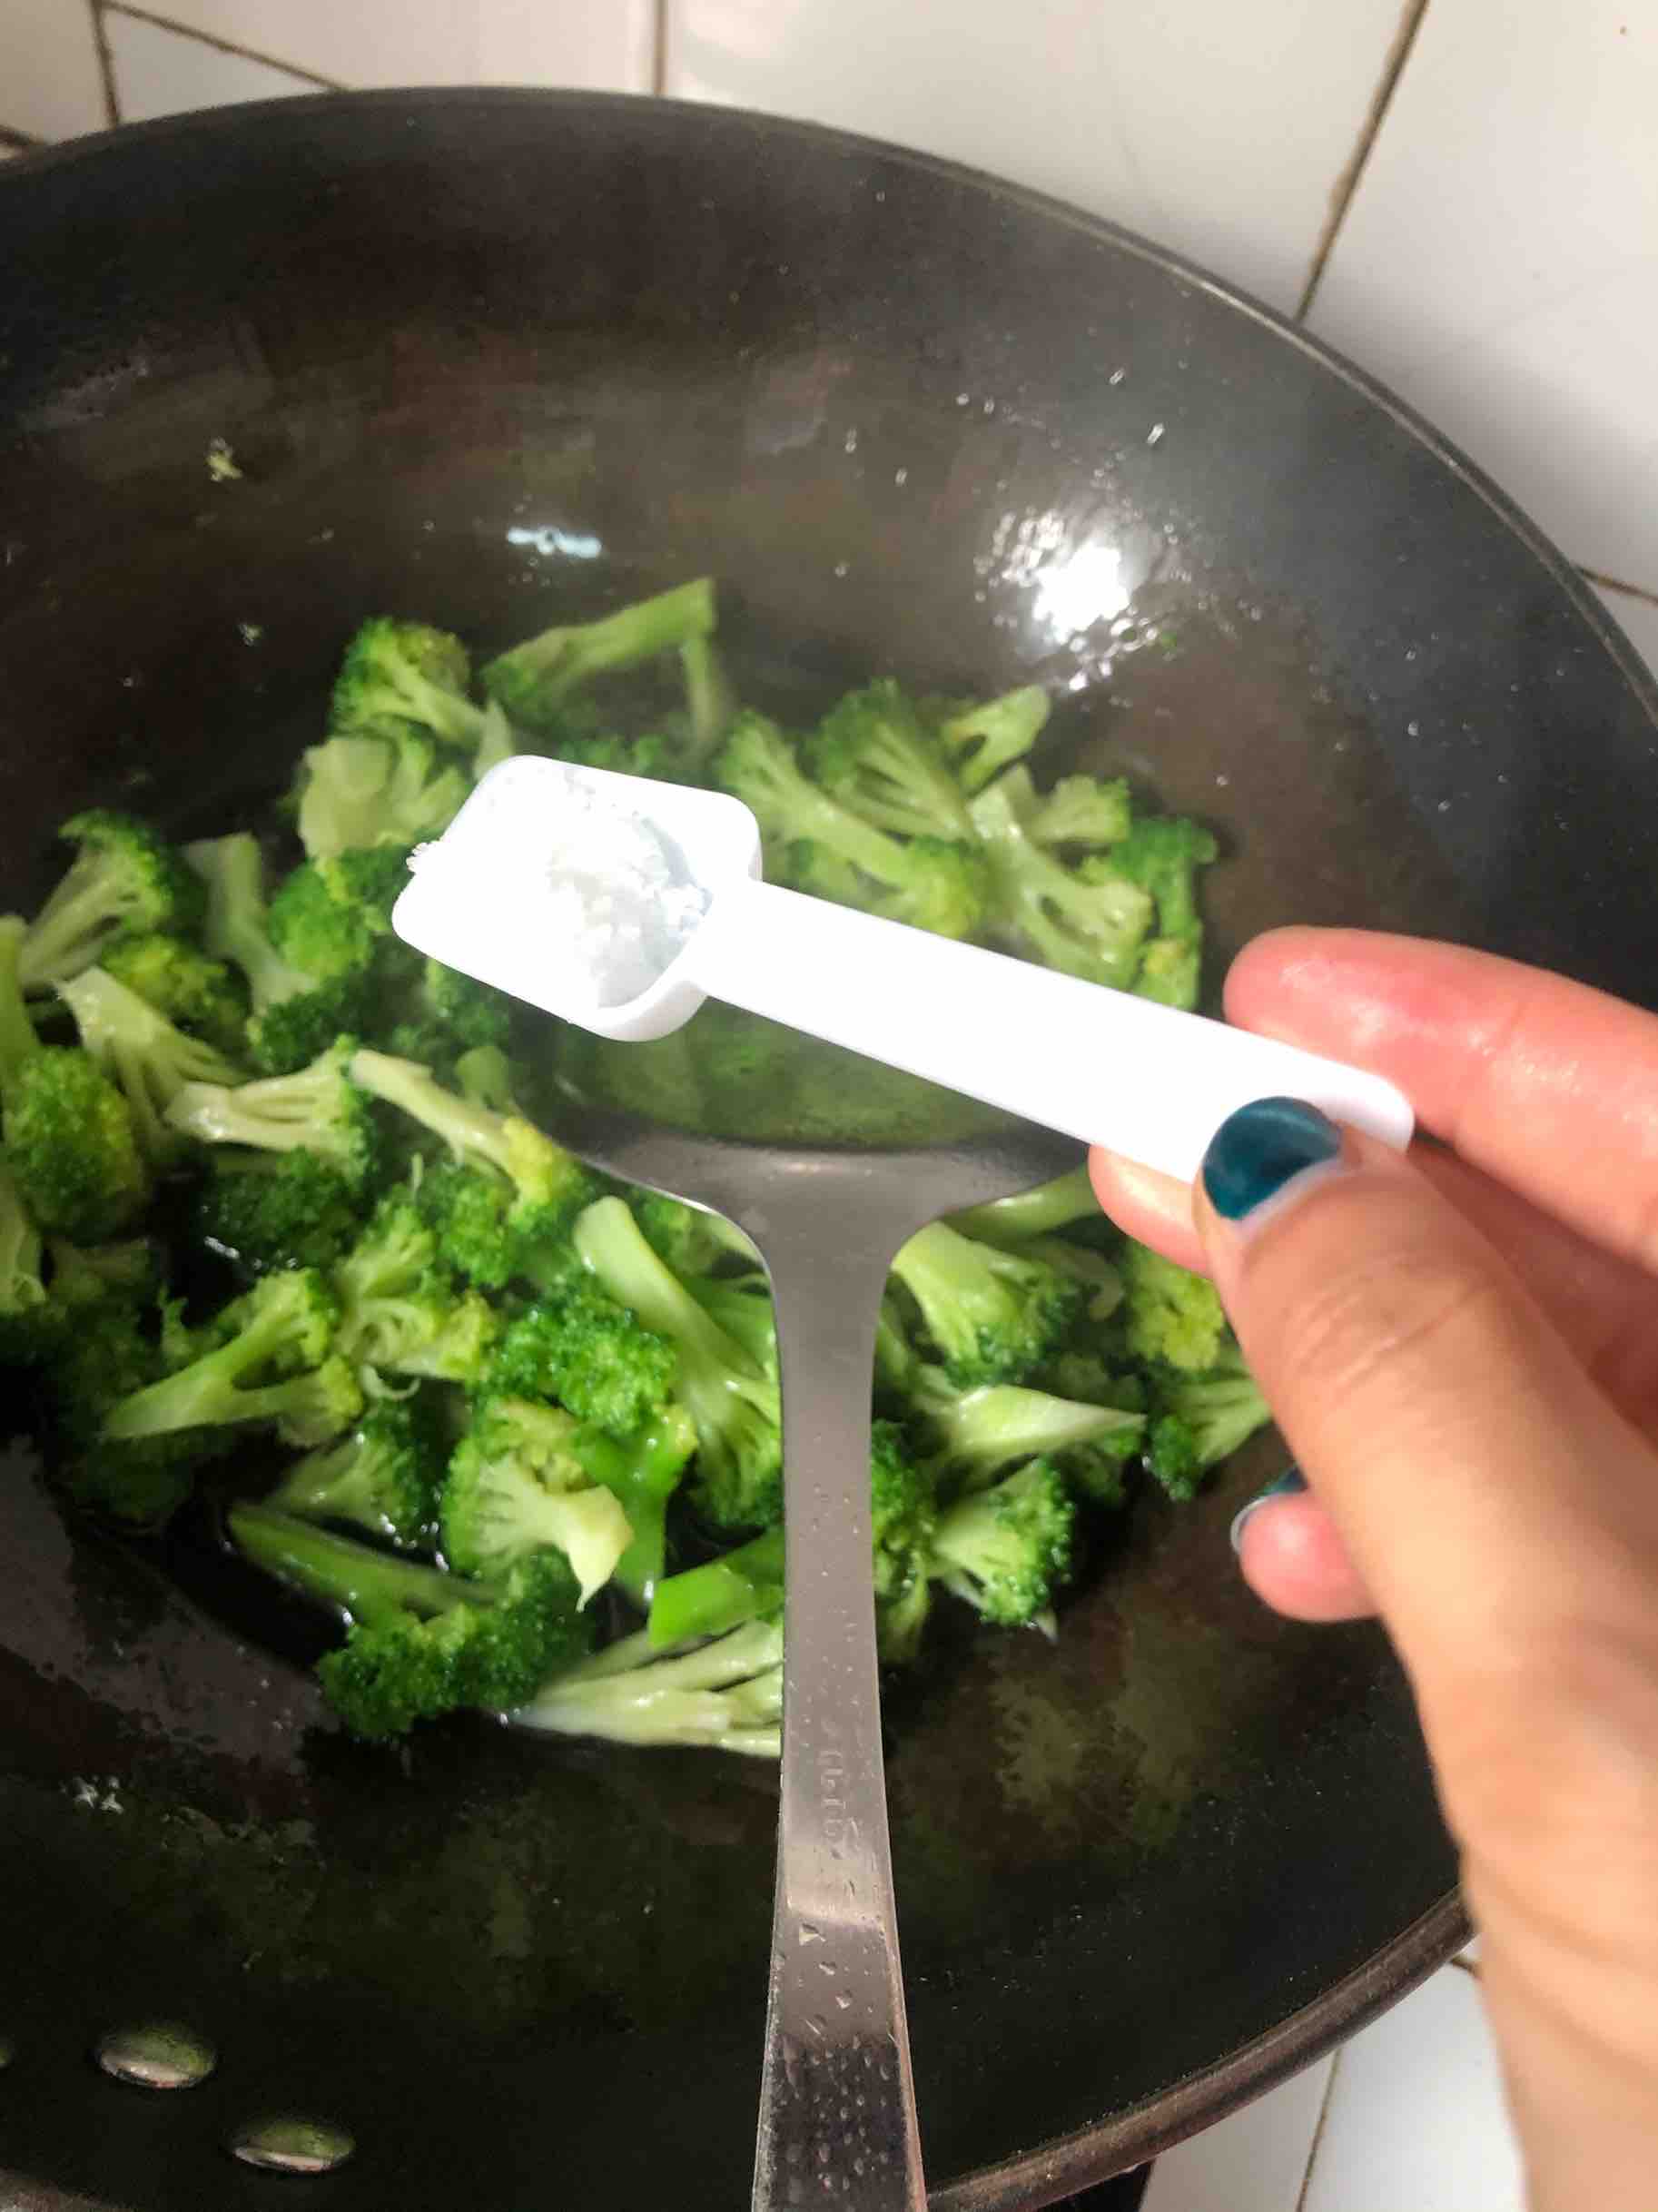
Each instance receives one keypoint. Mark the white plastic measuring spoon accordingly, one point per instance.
(1102, 1066)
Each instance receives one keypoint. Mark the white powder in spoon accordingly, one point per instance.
(597, 893)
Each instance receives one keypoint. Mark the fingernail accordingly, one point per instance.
(1259, 1150)
(1289, 1483)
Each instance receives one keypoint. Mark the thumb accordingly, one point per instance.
(1497, 1508)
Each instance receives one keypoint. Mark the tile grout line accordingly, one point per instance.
(658, 73)
(1347, 182)
(1616, 583)
(106, 66)
(1312, 2148)
(220, 45)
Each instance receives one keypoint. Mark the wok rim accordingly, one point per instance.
(1134, 2136)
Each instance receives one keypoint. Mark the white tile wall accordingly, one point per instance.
(1499, 263)
(605, 46)
(51, 85)
(164, 73)
(1217, 127)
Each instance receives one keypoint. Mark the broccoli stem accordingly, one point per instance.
(642, 1472)
(18, 1042)
(725, 1695)
(721, 1593)
(1031, 1213)
(473, 1133)
(365, 1584)
(560, 660)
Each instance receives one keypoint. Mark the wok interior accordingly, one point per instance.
(490, 359)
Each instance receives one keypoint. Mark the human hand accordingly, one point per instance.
(1462, 1350)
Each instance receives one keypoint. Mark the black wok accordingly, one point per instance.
(481, 356)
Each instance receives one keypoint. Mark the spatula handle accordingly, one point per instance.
(1100, 1065)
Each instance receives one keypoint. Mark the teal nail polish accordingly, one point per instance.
(1261, 1148)
(1290, 1484)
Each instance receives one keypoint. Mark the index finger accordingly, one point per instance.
(1550, 1087)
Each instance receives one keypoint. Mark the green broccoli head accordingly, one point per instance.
(980, 740)
(396, 788)
(124, 876)
(733, 1401)
(72, 1146)
(1162, 853)
(317, 1109)
(1201, 1419)
(406, 672)
(1084, 811)
(114, 1348)
(518, 1482)
(1171, 1318)
(1055, 915)
(1008, 1549)
(903, 1512)
(1171, 972)
(687, 1239)
(267, 1357)
(386, 1475)
(30, 1322)
(535, 681)
(321, 927)
(993, 1314)
(146, 1055)
(202, 995)
(295, 1016)
(274, 1210)
(421, 1642)
(399, 1310)
(872, 754)
(439, 1016)
(591, 1354)
(925, 883)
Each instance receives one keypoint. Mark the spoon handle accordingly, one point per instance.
(837, 2103)
(1103, 1066)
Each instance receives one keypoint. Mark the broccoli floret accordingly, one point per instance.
(548, 1184)
(973, 1435)
(421, 1642)
(688, 1239)
(650, 755)
(518, 1481)
(328, 917)
(398, 1310)
(386, 1475)
(124, 876)
(29, 1321)
(980, 740)
(1171, 972)
(295, 1016)
(83, 1274)
(579, 1346)
(150, 1058)
(1171, 1317)
(276, 1209)
(394, 789)
(746, 1583)
(71, 1143)
(484, 1075)
(1097, 1284)
(534, 681)
(1080, 810)
(318, 1109)
(993, 1314)
(1198, 1420)
(834, 853)
(1006, 1550)
(18, 1042)
(439, 1015)
(202, 995)
(269, 1358)
(406, 672)
(113, 1349)
(872, 755)
(1162, 854)
(1032, 1213)
(734, 1402)
(723, 1695)
(469, 1214)
(1054, 915)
